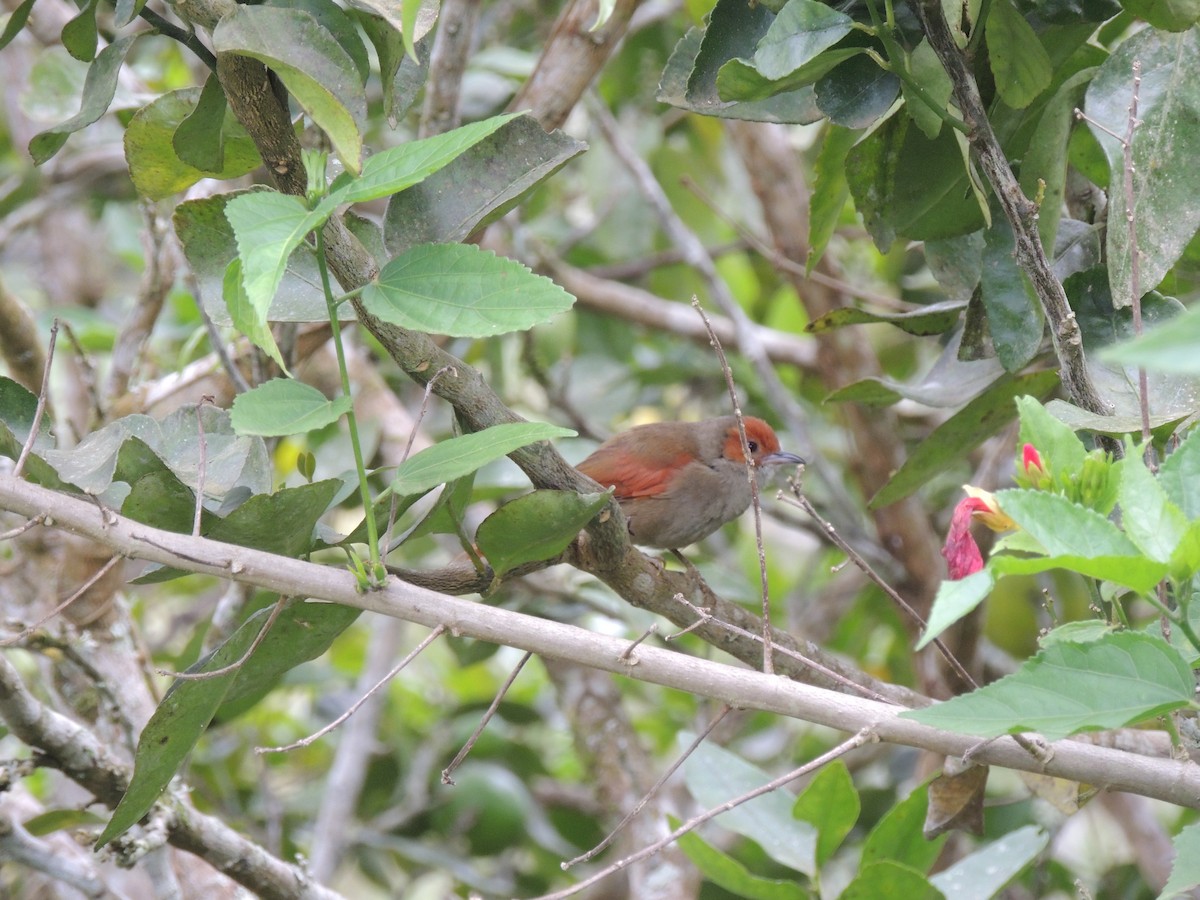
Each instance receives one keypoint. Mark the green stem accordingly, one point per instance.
(351, 421)
(913, 86)
(349, 295)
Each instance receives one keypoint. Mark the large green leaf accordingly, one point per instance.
(459, 456)
(18, 408)
(1179, 475)
(1018, 59)
(1118, 680)
(726, 872)
(283, 406)
(986, 872)
(1169, 15)
(312, 65)
(462, 291)
(1148, 516)
(936, 318)
(887, 879)
(830, 803)
(802, 31)
(1014, 315)
(481, 184)
(1185, 870)
(535, 526)
(898, 837)
(856, 92)
(1165, 147)
(154, 165)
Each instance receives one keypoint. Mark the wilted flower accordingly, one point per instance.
(960, 551)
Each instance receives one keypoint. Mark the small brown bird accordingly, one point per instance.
(678, 482)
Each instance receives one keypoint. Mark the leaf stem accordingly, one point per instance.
(376, 566)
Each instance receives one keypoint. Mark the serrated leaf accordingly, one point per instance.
(962, 432)
(726, 872)
(535, 526)
(1064, 528)
(830, 803)
(460, 290)
(311, 64)
(1179, 475)
(1067, 688)
(99, 88)
(1018, 59)
(245, 318)
(1054, 440)
(715, 775)
(1148, 516)
(459, 456)
(268, 226)
(283, 406)
(1185, 870)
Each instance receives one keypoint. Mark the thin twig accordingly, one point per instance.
(21, 529)
(627, 653)
(752, 477)
(650, 794)
(280, 604)
(41, 403)
(316, 735)
(802, 502)
(83, 589)
(692, 824)
(487, 717)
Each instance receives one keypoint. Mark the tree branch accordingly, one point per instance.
(1172, 780)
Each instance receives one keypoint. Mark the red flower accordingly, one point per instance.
(960, 550)
(1031, 460)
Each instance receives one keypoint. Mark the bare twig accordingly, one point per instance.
(627, 653)
(40, 410)
(755, 498)
(279, 607)
(83, 589)
(650, 794)
(321, 732)
(487, 717)
(862, 737)
(21, 529)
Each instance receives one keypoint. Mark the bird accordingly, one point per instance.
(678, 482)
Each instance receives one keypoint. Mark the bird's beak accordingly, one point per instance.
(781, 457)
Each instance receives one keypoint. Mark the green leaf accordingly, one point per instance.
(536, 526)
(16, 21)
(174, 728)
(1148, 516)
(98, 91)
(400, 167)
(199, 139)
(714, 776)
(1081, 420)
(80, 35)
(927, 71)
(478, 186)
(888, 880)
(935, 318)
(210, 246)
(726, 872)
(1015, 317)
(268, 226)
(245, 318)
(954, 600)
(1067, 688)
(1018, 59)
(18, 408)
(802, 31)
(1054, 440)
(338, 23)
(830, 803)
(461, 455)
(986, 872)
(830, 191)
(1185, 870)
(1165, 147)
(61, 820)
(1179, 475)
(1135, 572)
(283, 407)
(462, 291)
(739, 81)
(856, 92)
(869, 392)
(964, 431)
(1169, 15)
(156, 170)
(1064, 528)
(302, 632)
(310, 63)
(1168, 348)
(898, 837)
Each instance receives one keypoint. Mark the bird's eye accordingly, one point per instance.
(753, 445)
